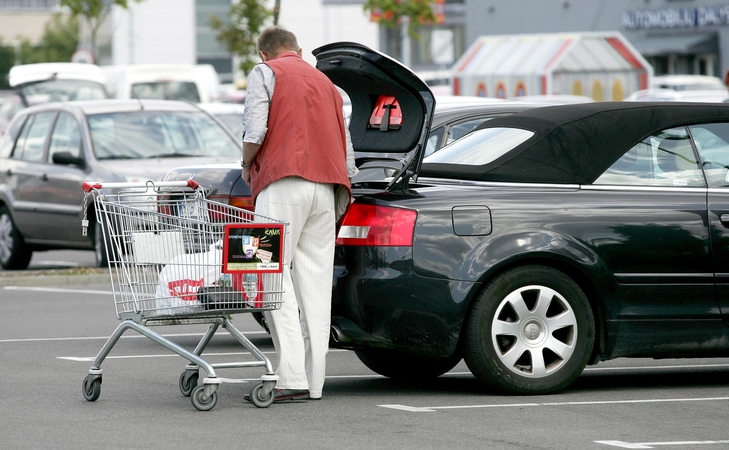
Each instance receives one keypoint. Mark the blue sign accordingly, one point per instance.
(700, 16)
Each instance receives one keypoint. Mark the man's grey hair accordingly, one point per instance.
(275, 39)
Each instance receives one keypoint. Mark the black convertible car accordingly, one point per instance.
(542, 242)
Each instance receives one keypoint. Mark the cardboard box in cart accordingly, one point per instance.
(600, 65)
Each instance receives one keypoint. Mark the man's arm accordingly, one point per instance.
(250, 150)
(261, 82)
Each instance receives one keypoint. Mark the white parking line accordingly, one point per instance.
(42, 289)
(521, 405)
(130, 336)
(166, 355)
(622, 444)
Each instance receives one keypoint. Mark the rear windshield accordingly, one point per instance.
(480, 147)
(167, 90)
(159, 134)
(62, 91)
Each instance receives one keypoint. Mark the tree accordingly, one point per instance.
(392, 13)
(95, 13)
(246, 20)
(7, 60)
(58, 43)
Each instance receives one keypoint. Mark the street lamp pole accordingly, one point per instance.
(405, 41)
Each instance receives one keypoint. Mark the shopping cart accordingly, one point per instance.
(177, 258)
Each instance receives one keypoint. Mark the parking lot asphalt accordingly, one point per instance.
(50, 332)
(54, 277)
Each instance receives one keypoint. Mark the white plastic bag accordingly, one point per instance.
(181, 278)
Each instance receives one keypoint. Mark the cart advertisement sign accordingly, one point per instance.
(253, 248)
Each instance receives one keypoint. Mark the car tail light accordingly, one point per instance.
(372, 225)
(243, 203)
(218, 214)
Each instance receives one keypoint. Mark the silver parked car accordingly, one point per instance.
(50, 149)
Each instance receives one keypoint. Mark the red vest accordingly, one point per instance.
(306, 136)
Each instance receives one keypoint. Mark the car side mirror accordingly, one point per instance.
(66, 158)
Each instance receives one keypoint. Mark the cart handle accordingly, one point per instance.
(88, 186)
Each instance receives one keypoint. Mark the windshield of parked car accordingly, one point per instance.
(167, 90)
(159, 134)
(62, 91)
(480, 147)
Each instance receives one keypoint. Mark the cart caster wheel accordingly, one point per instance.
(91, 389)
(258, 399)
(203, 404)
(187, 384)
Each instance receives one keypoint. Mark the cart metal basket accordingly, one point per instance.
(177, 258)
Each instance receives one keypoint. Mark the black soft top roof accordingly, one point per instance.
(576, 143)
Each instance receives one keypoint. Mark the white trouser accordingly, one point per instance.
(300, 329)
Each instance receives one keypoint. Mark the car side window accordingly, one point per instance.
(712, 143)
(434, 139)
(65, 137)
(666, 158)
(458, 130)
(34, 141)
(11, 135)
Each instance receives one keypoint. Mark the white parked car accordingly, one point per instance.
(158, 82)
(57, 82)
(688, 83)
(670, 95)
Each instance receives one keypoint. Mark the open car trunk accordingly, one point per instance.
(392, 108)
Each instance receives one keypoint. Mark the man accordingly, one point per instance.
(296, 154)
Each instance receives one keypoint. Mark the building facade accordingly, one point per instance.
(178, 31)
(436, 47)
(25, 19)
(675, 36)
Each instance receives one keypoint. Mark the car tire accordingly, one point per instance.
(14, 254)
(102, 260)
(530, 331)
(261, 319)
(406, 367)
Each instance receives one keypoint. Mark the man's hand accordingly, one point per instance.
(246, 175)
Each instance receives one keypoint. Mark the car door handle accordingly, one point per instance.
(44, 177)
(9, 172)
(724, 218)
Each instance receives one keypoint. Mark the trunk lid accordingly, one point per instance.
(392, 108)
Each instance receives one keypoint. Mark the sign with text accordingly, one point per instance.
(253, 247)
(699, 16)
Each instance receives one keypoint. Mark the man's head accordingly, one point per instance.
(275, 40)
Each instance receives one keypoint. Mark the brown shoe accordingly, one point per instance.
(285, 395)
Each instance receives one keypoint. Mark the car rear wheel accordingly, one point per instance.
(406, 367)
(14, 254)
(531, 331)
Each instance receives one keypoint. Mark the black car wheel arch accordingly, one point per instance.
(406, 367)
(512, 343)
